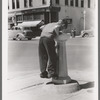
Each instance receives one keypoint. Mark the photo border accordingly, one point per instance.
(1, 49)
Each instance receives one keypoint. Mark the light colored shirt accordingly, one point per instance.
(48, 30)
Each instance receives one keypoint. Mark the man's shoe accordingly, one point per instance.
(44, 74)
(54, 76)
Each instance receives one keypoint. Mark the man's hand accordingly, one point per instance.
(60, 32)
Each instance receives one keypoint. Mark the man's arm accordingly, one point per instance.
(42, 27)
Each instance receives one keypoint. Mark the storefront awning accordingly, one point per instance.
(31, 23)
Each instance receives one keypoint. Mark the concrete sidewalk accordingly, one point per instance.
(29, 86)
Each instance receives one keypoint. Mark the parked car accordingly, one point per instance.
(20, 33)
(87, 33)
(34, 26)
(28, 29)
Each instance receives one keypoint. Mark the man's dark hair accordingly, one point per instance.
(65, 22)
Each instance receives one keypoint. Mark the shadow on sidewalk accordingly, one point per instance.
(82, 86)
(87, 85)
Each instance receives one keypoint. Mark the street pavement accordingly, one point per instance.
(31, 87)
(25, 84)
(23, 55)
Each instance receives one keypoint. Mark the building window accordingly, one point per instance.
(25, 3)
(28, 17)
(19, 18)
(17, 3)
(66, 2)
(82, 3)
(8, 4)
(13, 4)
(76, 3)
(89, 3)
(9, 19)
(37, 17)
(43, 1)
(30, 3)
(71, 2)
(57, 2)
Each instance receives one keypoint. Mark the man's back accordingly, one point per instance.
(48, 29)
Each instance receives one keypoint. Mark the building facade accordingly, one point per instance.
(78, 11)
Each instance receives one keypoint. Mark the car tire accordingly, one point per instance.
(29, 38)
(85, 35)
(18, 38)
(14, 38)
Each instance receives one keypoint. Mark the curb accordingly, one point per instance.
(71, 87)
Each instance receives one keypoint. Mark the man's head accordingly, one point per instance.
(63, 23)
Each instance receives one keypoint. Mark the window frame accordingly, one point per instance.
(82, 3)
(76, 3)
(89, 3)
(72, 3)
(17, 4)
(25, 3)
(43, 2)
(30, 3)
(67, 2)
(13, 4)
(57, 2)
(8, 4)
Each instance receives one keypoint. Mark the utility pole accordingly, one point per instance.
(84, 13)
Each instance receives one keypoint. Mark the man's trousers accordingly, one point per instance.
(47, 55)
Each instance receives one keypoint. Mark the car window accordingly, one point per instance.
(18, 28)
(21, 28)
(12, 28)
(26, 28)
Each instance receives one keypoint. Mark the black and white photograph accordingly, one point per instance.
(50, 50)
